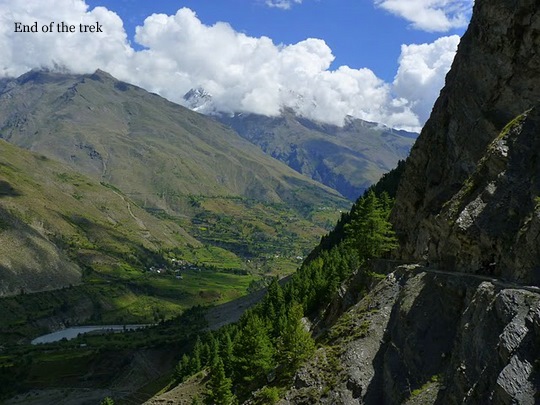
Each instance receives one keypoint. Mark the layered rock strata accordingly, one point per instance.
(469, 197)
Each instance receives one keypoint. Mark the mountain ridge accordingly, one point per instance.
(93, 112)
(56, 223)
(169, 184)
(349, 158)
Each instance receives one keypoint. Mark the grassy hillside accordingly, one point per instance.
(56, 223)
(153, 150)
(348, 159)
(131, 194)
(168, 160)
(61, 229)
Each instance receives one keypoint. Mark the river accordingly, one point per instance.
(73, 332)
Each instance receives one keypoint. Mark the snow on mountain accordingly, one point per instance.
(199, 100)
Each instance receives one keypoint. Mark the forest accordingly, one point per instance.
(261, 353)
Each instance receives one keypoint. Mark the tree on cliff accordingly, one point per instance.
(369, 230)
(295, 344)
(254, 350)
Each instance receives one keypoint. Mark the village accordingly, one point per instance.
(176, 267)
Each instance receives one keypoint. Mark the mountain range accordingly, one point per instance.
(150, 148)
(347, 158)
(121, 178)
(188, 168)
(119, 206)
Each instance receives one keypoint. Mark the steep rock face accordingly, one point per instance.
(467, 199)
(429, 337)
(465, 328)
(493, 223)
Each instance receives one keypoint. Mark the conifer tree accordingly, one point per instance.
(220, 386)
(369, 231)
(296, 344)
(183, 368)
(274, 307)
(213, 350)
(333, 283)
(205, 354)
(386, 203)
(196, 363)
(254, 352)
(226, 352)
(275, 296)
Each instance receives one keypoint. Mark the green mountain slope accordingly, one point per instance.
(96, 247)
(174, 163)
(151, 149)
(54, 223)
(348, 159)
(119, 183)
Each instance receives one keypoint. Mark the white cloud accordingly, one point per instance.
(243, 74)
(283, 4)
(421, 73)
(77, 51)
(430, 15)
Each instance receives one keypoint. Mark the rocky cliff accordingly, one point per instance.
(469, 197)
(463, 326)
(429, 337)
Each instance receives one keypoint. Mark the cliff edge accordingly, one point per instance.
(469, 198)
(460, 324)
(429, 337)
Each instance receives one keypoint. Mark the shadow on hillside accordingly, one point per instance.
(104, 239)
(7, 190)
(33, 261)
(417, 345)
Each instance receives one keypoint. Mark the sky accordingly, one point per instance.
(379, 60)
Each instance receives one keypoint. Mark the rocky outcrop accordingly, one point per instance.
(469, 196)
(492, 224)
(465, 328)
(429, 337)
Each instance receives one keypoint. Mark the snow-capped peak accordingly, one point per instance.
(198, 99)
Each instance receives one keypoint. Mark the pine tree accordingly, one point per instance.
(332, 284)
(275, 296)
(220, 386)
(183, 368)
(274, 307)
(196, 362)
(213, 349)
(205, 354)
(254, 351)
(226, 352)
(386, 203)
(296, 344)
(369, 231)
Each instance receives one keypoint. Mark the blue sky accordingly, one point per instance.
(379, 60)
(359, 33)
